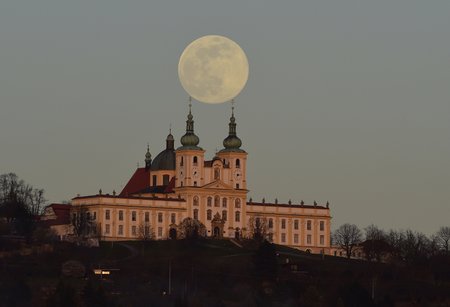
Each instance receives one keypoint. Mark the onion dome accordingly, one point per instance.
(189, 140)
(232, 142)
(165, 160)
(148, 158)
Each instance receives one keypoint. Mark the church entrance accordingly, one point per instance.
(236, 234)
(217, 226)
(173, 233)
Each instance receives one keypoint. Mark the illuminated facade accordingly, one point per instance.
(180, 183)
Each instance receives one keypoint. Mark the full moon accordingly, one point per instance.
(213, 69)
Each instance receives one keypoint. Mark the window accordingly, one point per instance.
(224, 202)
(322, 226)
(133, 230)
(173, 218)
(133, 216)
(237, 216)
(120, 230)
(237, 185)
(283, 237)
(107, 228)
(120, 215)
(322, 240)
(308, 225)
(308, 239)
(154, 180)
(224, 215)
(195, 183)
(107, 215)
(166, 179)
(195, 200)
(88, 216)
(216, 201)
(195, 214)
(209, 202)
(237, 203)
(160, 217)
(159, 232)
(296, 224)
(181, 161)
(94, 217)
(195, 161)
(216, 173)
(238, 163)
(283, 224)
(147, 217)
(270, 223)
(295, 238)
(209, 215)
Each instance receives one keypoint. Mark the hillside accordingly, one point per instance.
(216, 273)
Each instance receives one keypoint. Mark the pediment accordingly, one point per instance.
(217, 184)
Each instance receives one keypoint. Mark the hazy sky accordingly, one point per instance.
(347, 101)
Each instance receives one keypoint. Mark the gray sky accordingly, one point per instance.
(347, 101)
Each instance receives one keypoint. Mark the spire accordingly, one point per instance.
(148, 158)
(189, 140)
(170, 142)
(232, 142)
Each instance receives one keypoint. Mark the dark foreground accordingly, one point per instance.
(213, 273)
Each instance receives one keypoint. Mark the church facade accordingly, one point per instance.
(180, 183)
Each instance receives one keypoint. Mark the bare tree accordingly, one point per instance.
(83, 223)
(16, 191)
(443, 238)
(145, 232)
(258, 228)
(375, 245)
(347, 236)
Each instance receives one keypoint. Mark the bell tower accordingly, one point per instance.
(189, 157)
(234, 156)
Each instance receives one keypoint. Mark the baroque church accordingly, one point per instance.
(182, 183)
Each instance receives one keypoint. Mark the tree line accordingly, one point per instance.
(395, 245)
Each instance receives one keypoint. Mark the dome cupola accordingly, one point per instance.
(232, 142)
(189, 140)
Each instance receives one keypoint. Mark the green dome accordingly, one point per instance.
(232, 142)
(189, 140)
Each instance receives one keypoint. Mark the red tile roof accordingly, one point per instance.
(139, 181)
(62, 212)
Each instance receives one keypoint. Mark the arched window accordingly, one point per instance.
(237, 216)
(216, 173)
(195, 214)
(216, 201)
(181, 161)
(154, 180)
(195, 200)
(237, 203)
(238, 163)
(209, 214)
(270, 223)
(209, 201)
(224, 202)
(224, 215)
(166, 179)
(195, 160)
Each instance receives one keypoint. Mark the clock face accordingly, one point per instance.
(181, 175)
(195, 173)
(237, 175)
